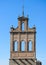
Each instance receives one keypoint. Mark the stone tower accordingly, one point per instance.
(23, 44)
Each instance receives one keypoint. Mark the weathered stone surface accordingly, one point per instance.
(29, 34)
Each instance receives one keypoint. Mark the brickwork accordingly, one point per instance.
(29, 34)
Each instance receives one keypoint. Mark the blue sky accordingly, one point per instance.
(9, 11)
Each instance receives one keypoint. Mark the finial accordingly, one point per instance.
(34, 27)
(23, 9)
(11, 26)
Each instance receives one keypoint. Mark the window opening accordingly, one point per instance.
(16, 46)
(30, 46)
(23, 46)
(22, 26)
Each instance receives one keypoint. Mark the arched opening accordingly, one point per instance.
(23, 46)
(30, 46)
(15, 46)
(22, 26)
